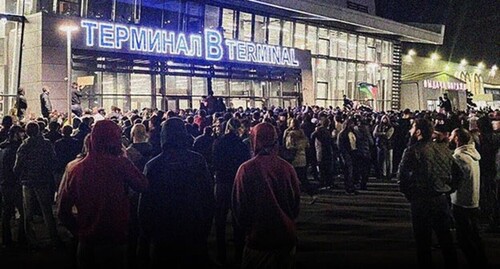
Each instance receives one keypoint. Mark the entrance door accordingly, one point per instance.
(274, 89)
(176, 103)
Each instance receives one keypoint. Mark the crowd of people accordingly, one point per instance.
(146, 187)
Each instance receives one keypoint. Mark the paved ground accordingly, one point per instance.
(372, 229)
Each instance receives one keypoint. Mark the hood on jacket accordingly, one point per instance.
(470, 150)
(105, 138)
(264, 137)
(173, 133)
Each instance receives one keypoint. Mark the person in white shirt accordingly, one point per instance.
(465, 199)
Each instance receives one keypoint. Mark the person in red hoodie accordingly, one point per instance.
(97, 186)
(266, 199)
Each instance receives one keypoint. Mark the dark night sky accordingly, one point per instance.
(472, 26)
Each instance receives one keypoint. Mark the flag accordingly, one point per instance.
(369, 89)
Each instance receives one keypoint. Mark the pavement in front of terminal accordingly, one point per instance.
(372, 229)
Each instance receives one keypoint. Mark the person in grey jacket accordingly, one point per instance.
(465, 199)
(425, 174)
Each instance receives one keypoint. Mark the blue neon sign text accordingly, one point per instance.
(210, 45)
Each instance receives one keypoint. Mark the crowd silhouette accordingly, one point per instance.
(145, 188)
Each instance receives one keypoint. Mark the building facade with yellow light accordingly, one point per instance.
(432, 77)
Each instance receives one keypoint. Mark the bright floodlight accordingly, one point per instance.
(68, 28)
(412, 52)
(480, 65)
(493, 70)
(435, 56)
(463, 62)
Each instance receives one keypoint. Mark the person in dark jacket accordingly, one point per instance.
(76, 103)
(10, 188)
(176, 212)
(66, 149)
(323, 143)
(21, 104)
(97, 186)
(139, 152)
(364, 141)
(7, 122)
(35, 161)
(82, 131)
(53, 134)
(446, 103)
(229, 153)
(382, 134)
(204, 143)
(312, 164)
(45, 103)
(265, 202)
(487, 143)
(347, 142)
(426, 176)
(154, 134)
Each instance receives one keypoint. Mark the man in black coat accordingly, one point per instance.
(228, 154)
(76, 103)
(45, 103)
(426, 176)
(176, 212)
(21, 104)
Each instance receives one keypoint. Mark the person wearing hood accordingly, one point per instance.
(98, 187)
(265, 203)
(176, 212)
(465, 199)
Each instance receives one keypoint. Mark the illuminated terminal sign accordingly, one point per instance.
(210, 45)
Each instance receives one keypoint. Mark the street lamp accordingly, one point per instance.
(435, 56)
(69, 29)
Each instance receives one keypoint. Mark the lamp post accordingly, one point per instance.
(69, 29)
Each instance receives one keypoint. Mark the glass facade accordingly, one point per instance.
(340, 59)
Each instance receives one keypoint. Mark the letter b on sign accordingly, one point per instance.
(213, 45)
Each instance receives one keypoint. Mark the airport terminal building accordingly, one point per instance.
(168, 54)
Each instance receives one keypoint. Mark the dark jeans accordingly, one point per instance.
(348, 170)
(326, 172)
(384, 158)
(312, 162)
(223, 193)
(489, 202)
(433, 214)
(42, 194)
(469, 240)
(12, 198)
(305, 186)
(362, 170)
